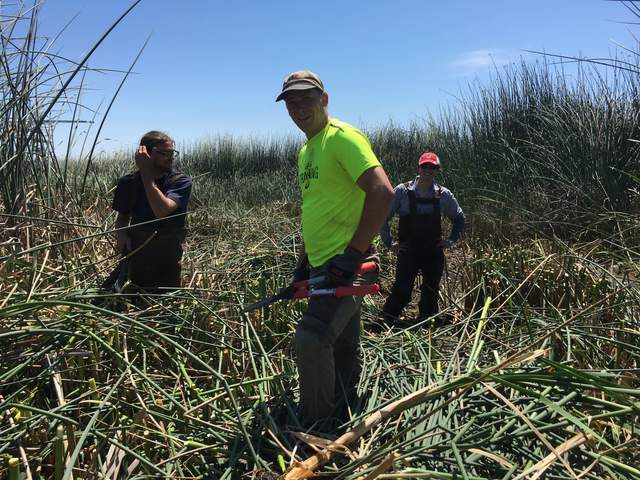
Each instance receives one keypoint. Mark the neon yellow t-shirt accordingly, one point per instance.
(329, 165)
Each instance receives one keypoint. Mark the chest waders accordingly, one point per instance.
(421, 232)
(158, 263)
(419, 235)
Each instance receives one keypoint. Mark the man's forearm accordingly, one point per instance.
(458, 226)
(385, 230)
(374, 214)
(301, 256)
(161, 205)
(123, 241)
(385, 233)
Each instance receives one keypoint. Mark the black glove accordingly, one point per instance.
(302, 270)
(341, 268)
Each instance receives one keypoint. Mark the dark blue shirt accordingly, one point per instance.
(130, 198)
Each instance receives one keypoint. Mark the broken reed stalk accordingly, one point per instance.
(14, 468)
(21, 450)
(306, 469)
(56, 379)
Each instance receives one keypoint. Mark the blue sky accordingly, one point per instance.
(214, 67)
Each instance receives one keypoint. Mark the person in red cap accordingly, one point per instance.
(420, 204)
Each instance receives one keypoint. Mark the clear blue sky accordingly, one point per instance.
(216, 67)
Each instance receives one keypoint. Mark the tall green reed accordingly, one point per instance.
(37, 90)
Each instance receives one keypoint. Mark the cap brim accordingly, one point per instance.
(425, 162)
(298, 86)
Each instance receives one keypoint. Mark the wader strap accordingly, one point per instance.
(412, 204)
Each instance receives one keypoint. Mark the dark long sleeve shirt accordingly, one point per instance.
(130, 197)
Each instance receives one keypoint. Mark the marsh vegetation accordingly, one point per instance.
(534, 376)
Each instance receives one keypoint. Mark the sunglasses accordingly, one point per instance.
(429, 166)
(168, 153)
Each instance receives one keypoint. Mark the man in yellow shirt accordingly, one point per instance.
(345, 199)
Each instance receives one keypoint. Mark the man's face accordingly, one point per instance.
(307, 109)
(162, 155)
(428, 171)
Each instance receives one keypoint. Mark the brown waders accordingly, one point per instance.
(158, 263)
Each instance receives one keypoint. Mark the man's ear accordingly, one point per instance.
(325, 99)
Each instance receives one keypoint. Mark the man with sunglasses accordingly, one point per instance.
(153, 200)
(420, 205)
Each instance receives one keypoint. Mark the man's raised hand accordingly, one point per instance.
(143, 161)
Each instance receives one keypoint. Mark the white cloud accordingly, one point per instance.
(477, 60)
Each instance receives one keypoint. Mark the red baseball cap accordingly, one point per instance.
(429, 157)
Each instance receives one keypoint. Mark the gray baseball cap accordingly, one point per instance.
(300, 80)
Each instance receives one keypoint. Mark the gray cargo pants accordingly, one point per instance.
(327, 343)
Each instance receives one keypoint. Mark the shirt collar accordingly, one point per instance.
(430, 193)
